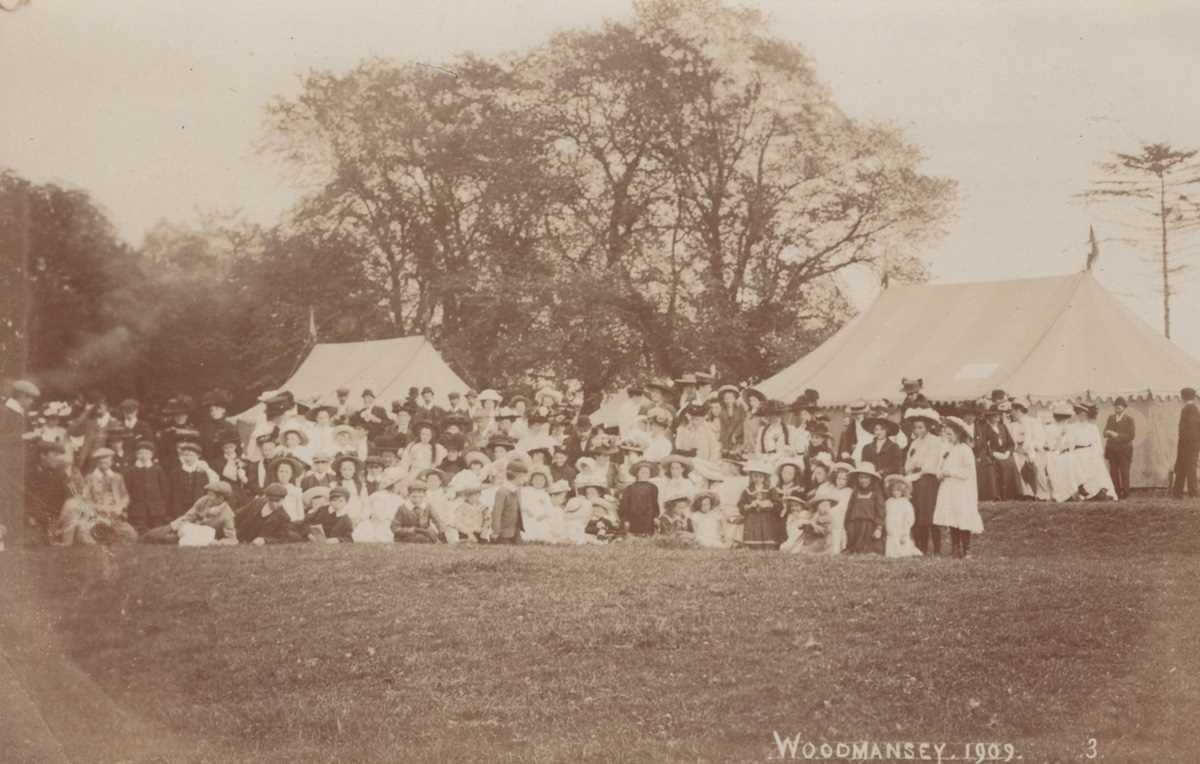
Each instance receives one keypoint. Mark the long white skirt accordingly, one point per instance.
(1064, 476)
(1090, 467)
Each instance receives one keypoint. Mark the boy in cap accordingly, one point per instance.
(506, 509)
(148, 488)
(259, 471)
(320, 518)
(370, 418)
(186, 480)
(270, 524)
(137, 429)
(321, 473)
(211, 510)
(97, 516)
(415, 523)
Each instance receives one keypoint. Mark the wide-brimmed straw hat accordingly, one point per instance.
(959, 427)
(756, 466)
(930, 417)
(871, 422)
(676, 459)
(865, 469)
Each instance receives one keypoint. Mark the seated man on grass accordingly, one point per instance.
(211, 510)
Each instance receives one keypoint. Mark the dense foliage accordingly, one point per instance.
(655, 195)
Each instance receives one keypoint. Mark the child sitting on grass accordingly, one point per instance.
(706, 521)
(899, 517)
(380, 510)
(271, 524)
(472, 520)
(605, 524)
(414, 523)
(211, 510)
(674, 520)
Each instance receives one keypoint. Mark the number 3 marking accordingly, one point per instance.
(1091, 748)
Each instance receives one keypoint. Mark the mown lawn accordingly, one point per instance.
(1069, 623)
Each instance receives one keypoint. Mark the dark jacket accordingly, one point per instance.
(1125, 430)
(185, 487)
(639, 507)
(848, 440)
(888, 461)
(1189, 426)
(148, 495)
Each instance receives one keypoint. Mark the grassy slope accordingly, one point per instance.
(1069, 623)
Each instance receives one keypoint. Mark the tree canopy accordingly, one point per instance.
(673, 191)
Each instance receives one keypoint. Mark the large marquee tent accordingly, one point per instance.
(1043, 338)
(386, 367)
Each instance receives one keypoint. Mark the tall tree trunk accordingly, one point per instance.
(1166, 285)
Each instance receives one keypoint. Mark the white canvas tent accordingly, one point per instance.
(1045, 338)
(386, 367)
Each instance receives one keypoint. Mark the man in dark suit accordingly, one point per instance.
(1189, 445)
(1119, 432)
(16, 454)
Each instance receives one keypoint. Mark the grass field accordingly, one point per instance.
(1069, 623)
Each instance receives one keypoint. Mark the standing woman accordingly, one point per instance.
(760, 506)
(882, 452)
(777, 438)
(924, 462)
(731, 421)
(752, 422)
(958, 495)
(696, 435)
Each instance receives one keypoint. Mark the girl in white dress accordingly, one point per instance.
(898, 519)
(577, 512)
(675, 480)
(706, 520)
(837, 513)
(380, 509)
(536, 508)
(958, 494)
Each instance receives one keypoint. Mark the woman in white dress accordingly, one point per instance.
(1088, 455)
(381, 509)
(423, 453)
(1060, 462)
(958, 494)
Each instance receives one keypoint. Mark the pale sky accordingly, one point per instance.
(153, 105)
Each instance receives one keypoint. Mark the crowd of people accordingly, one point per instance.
(710, 465)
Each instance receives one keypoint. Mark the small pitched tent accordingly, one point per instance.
(1045, 338)
(386, 367)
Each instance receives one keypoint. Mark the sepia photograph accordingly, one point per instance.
(599, 381)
